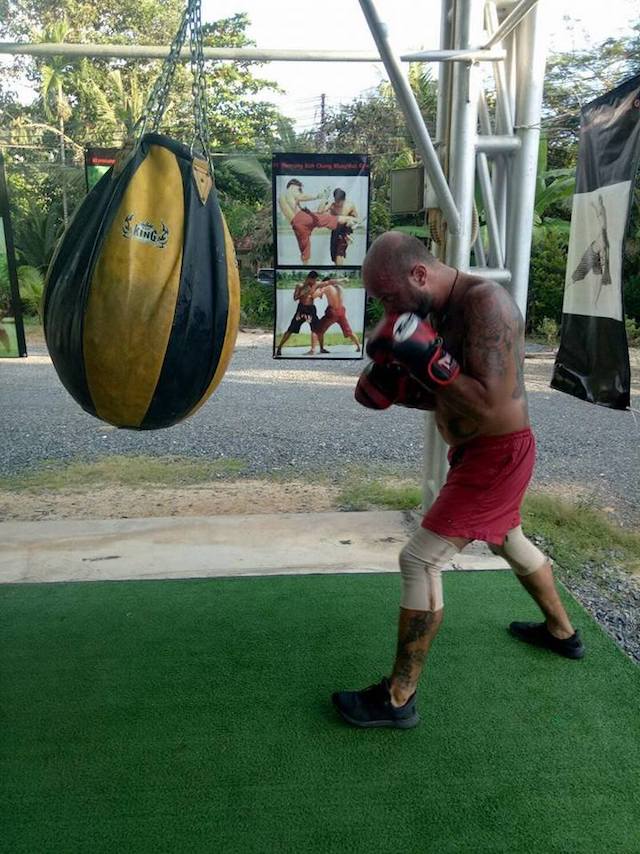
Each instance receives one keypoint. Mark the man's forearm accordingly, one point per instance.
(467, 396)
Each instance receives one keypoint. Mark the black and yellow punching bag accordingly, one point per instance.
(142, 298)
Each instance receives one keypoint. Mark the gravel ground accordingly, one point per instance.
(301, 416)
(609, 594)
(278, 416)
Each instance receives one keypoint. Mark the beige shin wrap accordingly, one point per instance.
(520, 553)
(421, 563)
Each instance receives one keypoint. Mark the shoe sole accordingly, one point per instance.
(408, 723)
(565, 653)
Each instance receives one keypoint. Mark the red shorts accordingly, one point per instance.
(339, 242)
(335, 315)
(303, 224)
(485, 486)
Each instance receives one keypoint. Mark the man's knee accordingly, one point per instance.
(421, 563)
(520, 553)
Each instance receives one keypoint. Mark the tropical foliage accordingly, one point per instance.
(81, 102)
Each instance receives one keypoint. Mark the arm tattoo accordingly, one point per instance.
(494, 337)
(518, 390)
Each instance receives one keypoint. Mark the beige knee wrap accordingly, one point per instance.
(520, 553)
(421, 563)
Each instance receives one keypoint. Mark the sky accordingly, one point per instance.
(412, 24)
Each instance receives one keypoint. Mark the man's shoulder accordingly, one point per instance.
(484, 289)
(486, 295)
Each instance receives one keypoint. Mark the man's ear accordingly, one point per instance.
(419, 274)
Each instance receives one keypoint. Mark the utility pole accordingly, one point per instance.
(322, 133)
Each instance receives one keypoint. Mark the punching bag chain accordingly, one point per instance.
(156, 105)
(157, 101)
(198, 86)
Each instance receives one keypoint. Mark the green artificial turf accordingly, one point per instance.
(183, 716)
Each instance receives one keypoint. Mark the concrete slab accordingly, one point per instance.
(222, 546)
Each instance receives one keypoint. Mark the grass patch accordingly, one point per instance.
(389, 493)
(575, 533)
(122, 471)
(303, 339)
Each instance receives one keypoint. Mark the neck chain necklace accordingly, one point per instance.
(444, 316)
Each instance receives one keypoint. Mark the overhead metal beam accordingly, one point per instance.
(482, 55)
(246, 54)
(132, 51)
(501, 275)
(495, 144)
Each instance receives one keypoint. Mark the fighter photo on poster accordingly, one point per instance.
(98, 161)
(319, 313)
(594, 259)
(12, 339)
(321, 209)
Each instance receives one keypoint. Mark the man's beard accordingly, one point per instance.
(425, 305)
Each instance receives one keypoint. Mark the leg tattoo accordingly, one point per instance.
(416, 630)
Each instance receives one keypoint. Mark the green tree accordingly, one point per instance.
(574, 78)
(54, 73)
(98, 101)
(546, 278)
(554, 192)
(375, 124)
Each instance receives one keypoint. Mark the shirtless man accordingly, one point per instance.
(464, 342)
(304, 293)
(341, 236)
(302, 220)
(335, 313)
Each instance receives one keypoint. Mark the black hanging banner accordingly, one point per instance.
(593, 357)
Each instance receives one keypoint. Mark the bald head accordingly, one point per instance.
(397, 253)
(394, 270)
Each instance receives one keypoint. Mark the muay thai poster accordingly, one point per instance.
(97, 161)
(593, 358)
(12, 340)
(319, 314)
(321, 209)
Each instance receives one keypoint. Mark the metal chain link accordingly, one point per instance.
(157, 102)
(198, 87)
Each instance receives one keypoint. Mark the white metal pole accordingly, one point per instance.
(413, 116)
(464, 121)
(511, 22)
(434, 468)
(463, 113)
(531, 57)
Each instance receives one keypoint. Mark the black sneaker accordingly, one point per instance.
(539, 635)
(372, 707)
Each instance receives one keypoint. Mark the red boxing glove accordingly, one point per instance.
(381, 339)
(380, 385)
(416, 395)
(417, 346)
